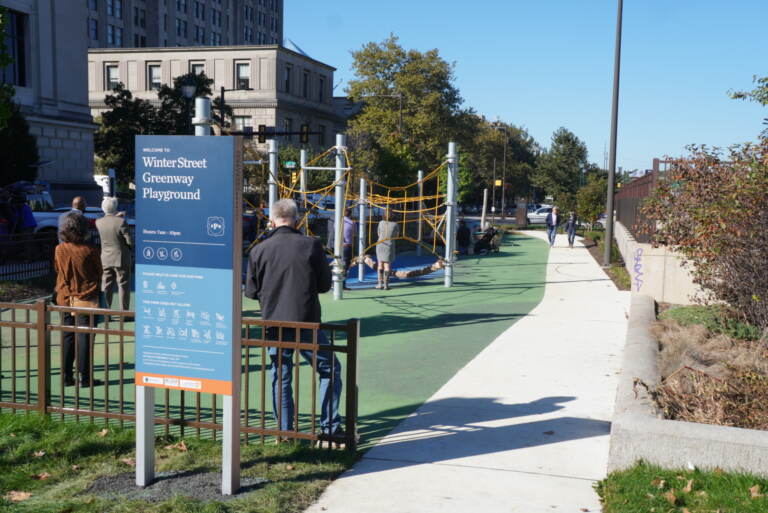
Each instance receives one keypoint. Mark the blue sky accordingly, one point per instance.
(549, 63)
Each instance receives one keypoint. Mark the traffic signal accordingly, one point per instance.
(262, 133)
(294, 176)
(304, 135)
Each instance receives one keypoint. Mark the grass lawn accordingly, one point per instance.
(56, 463)
(646, 488)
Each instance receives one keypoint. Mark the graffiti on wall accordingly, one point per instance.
(637, 277)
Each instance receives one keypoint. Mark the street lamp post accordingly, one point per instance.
(189, 89)
(612, 161)
(498, 126)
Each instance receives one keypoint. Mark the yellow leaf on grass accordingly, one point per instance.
(38, 454)
(103, 432)
(754, 492)
(17, 496)
(670, 496)
(75, 467)
(129, 461)
(685, 510)
(289, 467)
(688, 486)
(658, 483)
(181, 446)
(42, 476)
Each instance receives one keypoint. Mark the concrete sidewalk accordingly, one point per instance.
(524, 427)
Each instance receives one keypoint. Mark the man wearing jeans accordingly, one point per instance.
(553, 221)
(286, 272)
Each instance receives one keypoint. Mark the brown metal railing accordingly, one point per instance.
(33, 360)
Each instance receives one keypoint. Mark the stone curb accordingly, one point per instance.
(638, 431)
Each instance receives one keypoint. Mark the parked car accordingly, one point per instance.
(539, 216)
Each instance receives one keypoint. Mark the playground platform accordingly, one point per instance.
(524, 426)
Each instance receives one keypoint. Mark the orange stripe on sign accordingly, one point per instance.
(209, 386)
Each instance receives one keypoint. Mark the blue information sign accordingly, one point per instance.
(187, 262)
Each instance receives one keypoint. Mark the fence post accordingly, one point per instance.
(350, 419)
(43, 356)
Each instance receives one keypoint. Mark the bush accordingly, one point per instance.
(716, 319)
(18, 150)
(713, 210)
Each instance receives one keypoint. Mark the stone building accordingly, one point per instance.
(287, 88)
(160, 23)
(49, 73)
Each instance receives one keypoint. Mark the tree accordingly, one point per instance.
(590, 199)
(6, 90)
(386, 77)
(128, 117)
(712, 208)
(759, 94)
(18, 150)
(560, 169)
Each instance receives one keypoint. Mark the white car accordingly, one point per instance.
(539, 216)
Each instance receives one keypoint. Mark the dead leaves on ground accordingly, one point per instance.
(180, 446)
(17, 496)
(38, 454)
(754, 492)
(131, 462)
(103, 432)
(42, 476)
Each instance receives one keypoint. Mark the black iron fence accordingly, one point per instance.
(27, 255)
(37, 360)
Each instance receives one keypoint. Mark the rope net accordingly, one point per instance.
(418, 209)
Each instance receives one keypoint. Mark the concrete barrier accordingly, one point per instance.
(658, 272)
(638, 431)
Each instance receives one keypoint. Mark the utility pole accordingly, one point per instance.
(614, 123)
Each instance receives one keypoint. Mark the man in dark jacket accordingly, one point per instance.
(286, 272)
(553, 221)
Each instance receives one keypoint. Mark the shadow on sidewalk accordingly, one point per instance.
(455, 428)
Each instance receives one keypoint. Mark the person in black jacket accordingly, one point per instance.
(286, 272)
(571, 225)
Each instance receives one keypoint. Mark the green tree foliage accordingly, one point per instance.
(591, 198)
(388, 75)
(128, 117)
(560, 168)
(6, 90)
(712, 208)
(759, 94)
(18, 150)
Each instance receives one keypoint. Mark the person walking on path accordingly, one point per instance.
(348, 241)
(570, 228)
(116, 247)
(553, 221)
(78, 277)
(286, 272)
(385, 250)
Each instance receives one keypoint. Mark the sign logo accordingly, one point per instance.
(215, 226)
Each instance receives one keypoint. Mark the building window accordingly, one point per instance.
(140, 17)
(243, 122)
(200, 10)
(15, 72)
(112, 76)
(197, 68)
(199, 35)
(247, 35)
(110, 35)
(321, 136)
(305, 84)
(118, 36)
(287, 78)
(110, 7)
(153, 77)
(93, 29)
(321, 89)
(242, 75)
(181, 6)
(93, 5)
(119, 9)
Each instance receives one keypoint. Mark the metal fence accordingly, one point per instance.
(27, 255)
(38, 341)
(629, 201)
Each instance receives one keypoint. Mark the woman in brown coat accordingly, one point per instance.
(78, 280)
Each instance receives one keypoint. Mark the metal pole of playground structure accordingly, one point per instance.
(303, 184)
(420, 206)
(450, 227)
(338, 218)
(272, 181)
(485, 208)
(361, 233)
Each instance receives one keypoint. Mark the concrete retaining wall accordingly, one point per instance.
(657, 272)
(639, 432)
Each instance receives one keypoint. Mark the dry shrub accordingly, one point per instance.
(710, 378)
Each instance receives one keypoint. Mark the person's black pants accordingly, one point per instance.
(346, 256)
(83, 347)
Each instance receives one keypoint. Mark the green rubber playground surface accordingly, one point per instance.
(417, 335)
(414, 338)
